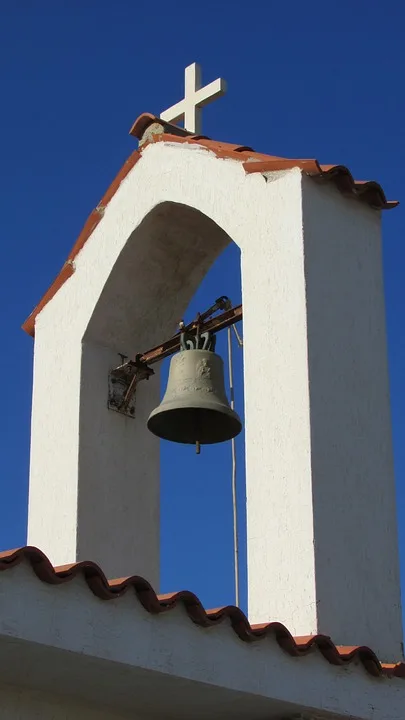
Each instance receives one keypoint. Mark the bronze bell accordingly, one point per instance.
(195, 409)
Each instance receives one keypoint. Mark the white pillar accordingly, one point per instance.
(94, 476)
(322, 536)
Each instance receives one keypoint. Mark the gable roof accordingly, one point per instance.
(157, 604)
(149, 129)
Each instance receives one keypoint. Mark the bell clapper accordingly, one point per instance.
(197, 447)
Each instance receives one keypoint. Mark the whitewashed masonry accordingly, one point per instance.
(322, 538)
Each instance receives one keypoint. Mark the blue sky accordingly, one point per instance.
(315, 79)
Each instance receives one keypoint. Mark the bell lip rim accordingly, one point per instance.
(230, 413)
(212, 407)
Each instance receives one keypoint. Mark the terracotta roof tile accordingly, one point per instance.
(157, 604)
(369, 192)
(90, 225)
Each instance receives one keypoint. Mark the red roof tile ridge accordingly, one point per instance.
(253, 162)
(220, 149)
(370, 191)
(88, 228)
(180, 135)
(141, 124)
(156, 604)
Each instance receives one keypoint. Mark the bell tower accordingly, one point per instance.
(321, 518)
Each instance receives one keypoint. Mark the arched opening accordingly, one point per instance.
(154, 277)
(176, 262)
(197, 549)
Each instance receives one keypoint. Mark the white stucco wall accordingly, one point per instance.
(322, 528)
(355, 525)
(94, 656)
(281, 563)
(94, 490)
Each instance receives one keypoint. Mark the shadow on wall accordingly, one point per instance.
(164, 260)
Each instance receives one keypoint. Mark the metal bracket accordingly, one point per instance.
(199, 334)
(122, 382)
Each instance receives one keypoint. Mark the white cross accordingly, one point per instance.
(195, 97)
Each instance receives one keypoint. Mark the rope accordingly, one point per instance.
(238, 337)
(234, 503)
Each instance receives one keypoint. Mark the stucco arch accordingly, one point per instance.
(149, 288)
(130, 282)
(155, 276)
(145, 295)
(131, 278)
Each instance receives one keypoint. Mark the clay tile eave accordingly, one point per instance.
(66, 272)
(222, 150)
(394, 669)
(368, 191)
(90, 225)
(278, 163)
(142, 123)
(237, 620)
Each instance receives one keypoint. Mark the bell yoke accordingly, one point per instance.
(195, 409)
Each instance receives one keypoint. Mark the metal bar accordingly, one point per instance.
(223, 303)
(225, 320)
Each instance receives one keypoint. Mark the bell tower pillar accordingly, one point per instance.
(321, 518)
